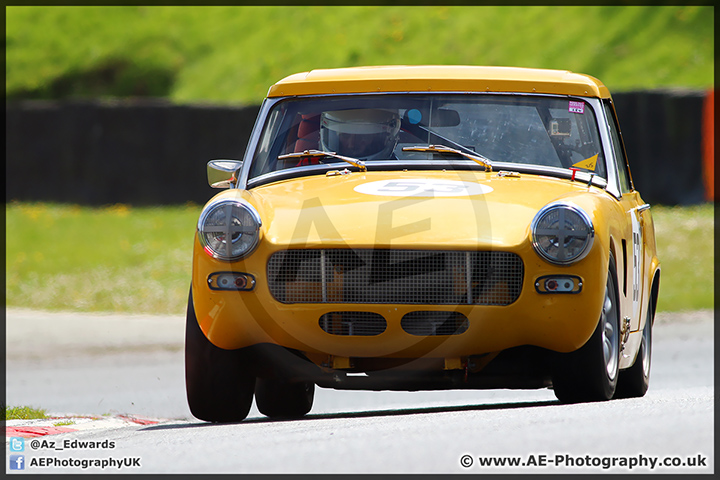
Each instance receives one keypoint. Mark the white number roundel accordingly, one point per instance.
(423, 188)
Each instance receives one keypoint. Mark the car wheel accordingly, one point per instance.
(591, 372)
(280, 399)
(634, 381)
(219, 387)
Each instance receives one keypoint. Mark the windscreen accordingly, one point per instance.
(522, 129)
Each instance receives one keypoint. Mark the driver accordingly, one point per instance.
(365, 134)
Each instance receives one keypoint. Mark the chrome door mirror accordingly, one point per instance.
(223, 173)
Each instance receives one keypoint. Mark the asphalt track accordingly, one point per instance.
(83, 364)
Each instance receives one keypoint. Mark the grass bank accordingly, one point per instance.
(138, 260)
(234, 53)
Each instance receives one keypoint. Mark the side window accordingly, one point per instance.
(620, 162)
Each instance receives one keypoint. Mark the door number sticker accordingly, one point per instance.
(637, 260)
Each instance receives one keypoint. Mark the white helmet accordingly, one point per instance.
(368, 134)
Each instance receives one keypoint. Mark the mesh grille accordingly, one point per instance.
(434, 323)
(353, 323)
(395, 276)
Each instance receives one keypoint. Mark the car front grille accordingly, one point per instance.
(425, 277)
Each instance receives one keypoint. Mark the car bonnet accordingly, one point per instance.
(422, 209)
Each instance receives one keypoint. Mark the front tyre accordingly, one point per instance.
(219, 387)
(281, 399)
(591, 372)
(635, 380)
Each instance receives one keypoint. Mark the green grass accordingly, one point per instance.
(138, 260)
(234, 53)
(24, 413)
(117, 259)
(63, 423)
(684, 237)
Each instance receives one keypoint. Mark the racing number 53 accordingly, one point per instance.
(411, 187)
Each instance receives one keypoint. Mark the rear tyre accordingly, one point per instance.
(591, 372)
(218, 383)
(634, 381)
(280, 399)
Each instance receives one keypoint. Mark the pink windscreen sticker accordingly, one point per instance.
(576, 107)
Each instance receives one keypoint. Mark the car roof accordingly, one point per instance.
(438, 78)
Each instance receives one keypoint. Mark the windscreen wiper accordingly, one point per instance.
(321, 154)
(485, 162)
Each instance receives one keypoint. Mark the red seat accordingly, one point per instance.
(308, 138)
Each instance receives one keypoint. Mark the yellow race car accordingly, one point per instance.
(420, 228)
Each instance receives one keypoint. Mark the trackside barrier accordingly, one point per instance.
(136, 152)
(151, 152)
(663, 133)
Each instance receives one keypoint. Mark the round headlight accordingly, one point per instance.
(229, 229)
(562, 233)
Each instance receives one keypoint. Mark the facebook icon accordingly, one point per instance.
(17, 462)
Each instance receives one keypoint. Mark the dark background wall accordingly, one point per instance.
(96, 153)
(663, 134)
(152, 152)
